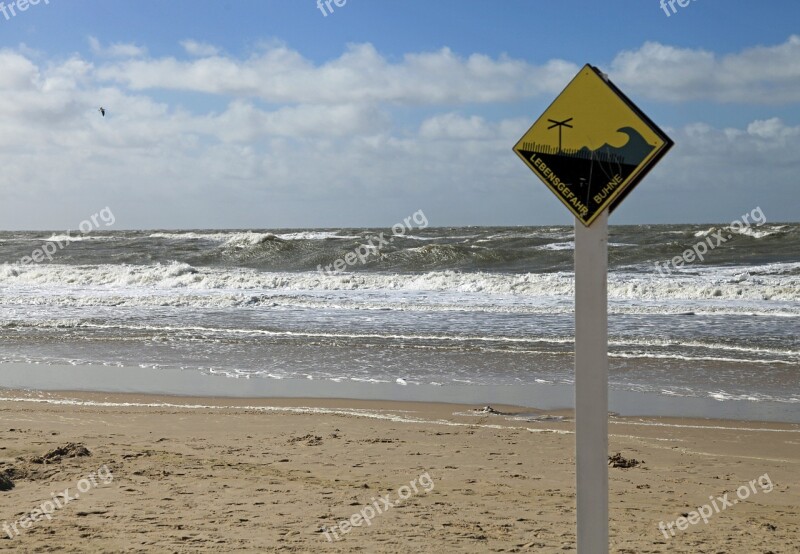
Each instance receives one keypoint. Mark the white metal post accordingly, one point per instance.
(591, 384)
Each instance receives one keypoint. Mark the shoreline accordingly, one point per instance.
(501, 416)
(551, 396)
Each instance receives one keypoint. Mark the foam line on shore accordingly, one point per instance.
(353, 412)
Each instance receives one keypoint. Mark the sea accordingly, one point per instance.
(463, 307)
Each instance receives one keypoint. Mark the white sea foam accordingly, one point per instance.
(250, 237)
(557, 246)
(749, 231)
(570, 245)
(190, 235)
(316, 235)
(761, 290)
(77, 237)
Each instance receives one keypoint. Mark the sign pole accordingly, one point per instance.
(591, 176)
(591, 384)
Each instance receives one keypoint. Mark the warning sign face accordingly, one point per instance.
(592, 145)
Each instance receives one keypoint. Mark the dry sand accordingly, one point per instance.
(219, 477)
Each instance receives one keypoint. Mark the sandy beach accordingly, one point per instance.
(180, 474)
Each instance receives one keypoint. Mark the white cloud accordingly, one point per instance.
(711, 167)
(199, 49)
(116, 50)
(771, 129)
(18, 72)
(279, 74)
(244, 122)
(454, 126)
(759, 75)
(361, 74)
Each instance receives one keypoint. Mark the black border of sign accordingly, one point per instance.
(668, 142)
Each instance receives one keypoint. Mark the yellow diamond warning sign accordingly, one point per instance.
(592, 145)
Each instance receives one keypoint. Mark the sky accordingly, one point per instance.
(270, 114)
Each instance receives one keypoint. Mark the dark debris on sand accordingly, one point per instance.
(6, 484)
(488, 410)
(71, 450)
(38, 468)
(617, 460)
(310, 440)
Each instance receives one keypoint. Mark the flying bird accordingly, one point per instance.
(102, 111)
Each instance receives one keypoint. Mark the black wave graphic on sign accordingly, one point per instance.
(591, 175)
(633, 153)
